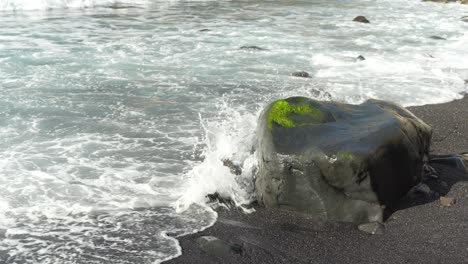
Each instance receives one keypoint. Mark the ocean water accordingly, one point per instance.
(115, 115)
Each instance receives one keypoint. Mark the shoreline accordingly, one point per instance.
(419, 230)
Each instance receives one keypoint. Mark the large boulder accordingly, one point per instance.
(338, 161)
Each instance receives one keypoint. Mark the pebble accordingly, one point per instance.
(447, 201)
(373, 228)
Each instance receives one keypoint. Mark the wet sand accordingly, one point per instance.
(419, 230)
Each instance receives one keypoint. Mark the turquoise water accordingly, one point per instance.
(115, 115)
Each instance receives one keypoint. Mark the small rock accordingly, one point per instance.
(466, 81)
(216, 197)
(447, 201)
(373, 228)
(252, 48)
(302, 74)
(204, 30)
(421, 188)
(464, 19)
(360, 58)
(437, 1)
(361, 19)
(437, 38)
(235, 169)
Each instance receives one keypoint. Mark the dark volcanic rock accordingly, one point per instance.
(252, 48)
(458, 161)
(302, 74)
(338, 161)
(235, 169)
(361, 19)
(360, 58)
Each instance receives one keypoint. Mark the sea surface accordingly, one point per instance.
(116, 116)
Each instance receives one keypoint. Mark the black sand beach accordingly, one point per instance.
(419, 230)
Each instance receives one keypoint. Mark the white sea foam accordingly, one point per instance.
(230, 137)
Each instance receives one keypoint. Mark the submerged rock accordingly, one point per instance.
(361, 19)
(437, 38)
(302, 74)
(252, 48)
(338, 161)
(439, 1)
(360, 58)
(321, 95)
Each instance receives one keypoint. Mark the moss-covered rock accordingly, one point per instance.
(338, 161)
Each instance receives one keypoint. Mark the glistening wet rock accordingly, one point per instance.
(437, 38)
(252, 48)
(360, 58)
(302, 74)
(338, 161)
(361, 19)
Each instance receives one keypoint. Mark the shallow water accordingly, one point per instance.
(115, 115)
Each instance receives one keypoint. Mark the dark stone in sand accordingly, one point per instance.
(360, 58)
(252, 48)
(437, 38)
(337, 161)
(302, 74)
(464, 19)
(204, 30)
(361, 19)
(458, 161)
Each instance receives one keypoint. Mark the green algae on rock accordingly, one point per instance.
(338, 161)
(281, 111)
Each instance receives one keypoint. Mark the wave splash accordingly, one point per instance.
(230, 136)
